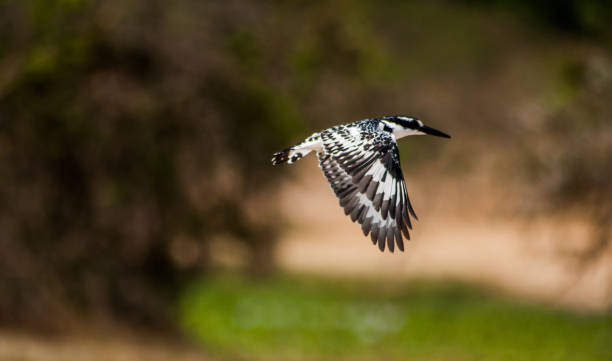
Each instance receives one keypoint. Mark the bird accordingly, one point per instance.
(361, 161)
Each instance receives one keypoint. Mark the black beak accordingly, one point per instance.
(431, 131)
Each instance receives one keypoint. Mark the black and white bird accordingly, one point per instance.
(361, 161)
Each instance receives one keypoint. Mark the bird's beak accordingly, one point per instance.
(431, 131)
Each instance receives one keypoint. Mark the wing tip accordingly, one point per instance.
(360, 192)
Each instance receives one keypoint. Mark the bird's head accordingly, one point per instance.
(402, 126)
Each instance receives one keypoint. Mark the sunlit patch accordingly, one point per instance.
(309, 319)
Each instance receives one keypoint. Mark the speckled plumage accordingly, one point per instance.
(362, 164)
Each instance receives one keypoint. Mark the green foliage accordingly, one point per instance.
(305, 318)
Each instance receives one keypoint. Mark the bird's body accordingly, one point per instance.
(361, 162)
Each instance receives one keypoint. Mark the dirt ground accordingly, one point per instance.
(462, 233)
(110, 347)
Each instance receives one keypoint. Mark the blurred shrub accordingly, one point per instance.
(127, 143)
(569, 161)
(134, 132)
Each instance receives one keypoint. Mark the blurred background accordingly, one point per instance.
(141, 219)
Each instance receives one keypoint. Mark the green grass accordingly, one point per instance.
(297, 318)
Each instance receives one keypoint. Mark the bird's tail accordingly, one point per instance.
(297, 152)
(289, 155)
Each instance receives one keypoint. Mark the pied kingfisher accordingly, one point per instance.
(362, 164)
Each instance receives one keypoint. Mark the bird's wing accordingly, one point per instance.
(365, 174)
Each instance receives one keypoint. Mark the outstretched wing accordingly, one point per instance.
(364, 172)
